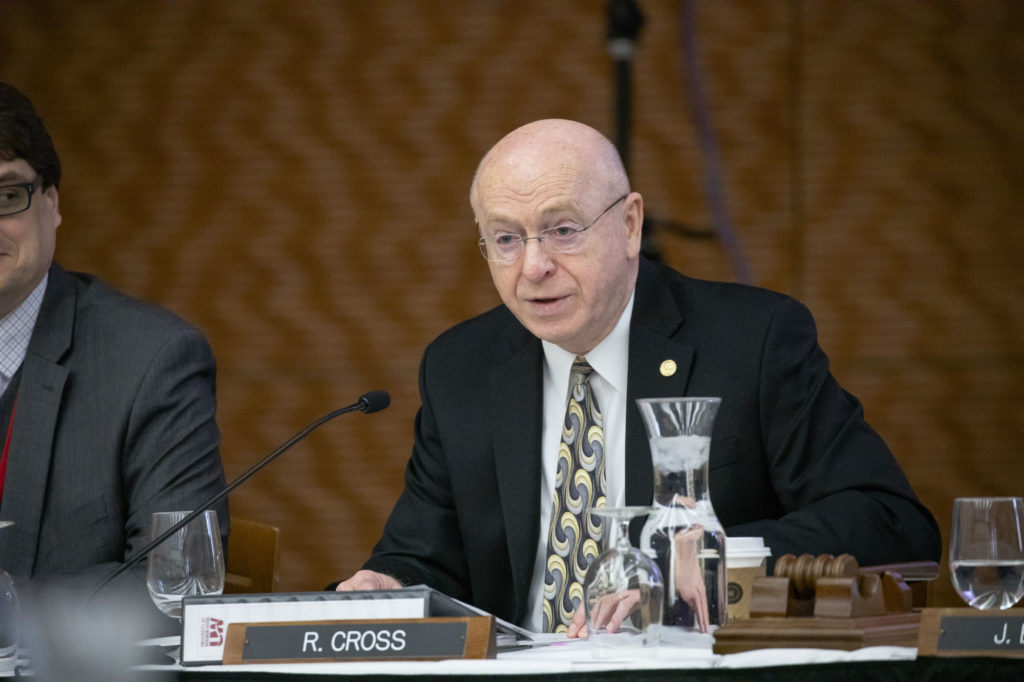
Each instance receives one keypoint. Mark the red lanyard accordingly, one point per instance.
(7, 446)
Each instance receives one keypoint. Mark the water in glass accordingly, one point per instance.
(683, 534)
(986, 551)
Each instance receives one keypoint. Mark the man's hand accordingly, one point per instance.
(689, 581)
(578, 626)
(608, 613)
(368, 580)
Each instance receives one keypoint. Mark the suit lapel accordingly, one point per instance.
(659, 367)
(35, 420)
(515, 390)
(517, 432)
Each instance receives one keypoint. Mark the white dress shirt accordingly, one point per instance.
(610, 360)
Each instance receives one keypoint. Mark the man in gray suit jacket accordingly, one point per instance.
(792, 459)
(107, 405)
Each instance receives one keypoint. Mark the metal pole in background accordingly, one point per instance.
(624, 23)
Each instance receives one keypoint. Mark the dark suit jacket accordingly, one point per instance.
(115, 419)
(792, 459)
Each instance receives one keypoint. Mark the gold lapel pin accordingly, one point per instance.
(668, 368)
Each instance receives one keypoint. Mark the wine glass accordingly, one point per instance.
(10, 618)
(189, 562)
(986, 551)
(623, 591)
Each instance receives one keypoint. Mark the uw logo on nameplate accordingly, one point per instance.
(212, 632)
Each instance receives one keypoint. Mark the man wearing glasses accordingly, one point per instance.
(792, 459)
(107, 406)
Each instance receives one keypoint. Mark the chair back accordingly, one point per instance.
(254, 551)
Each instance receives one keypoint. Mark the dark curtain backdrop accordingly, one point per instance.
(292, 177)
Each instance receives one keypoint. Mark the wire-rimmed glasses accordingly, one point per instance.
(566, 237)
(16, 198)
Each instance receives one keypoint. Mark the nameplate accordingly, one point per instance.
(368, 640)
(205, 620)
(969, 632)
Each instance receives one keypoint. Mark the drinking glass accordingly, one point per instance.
(189, 562)
(10, 618)
(623, 592)
(986, 551)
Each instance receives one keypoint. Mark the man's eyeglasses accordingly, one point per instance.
(16, 198)
(562, 238)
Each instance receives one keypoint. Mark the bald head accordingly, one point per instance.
(542, 180)
(531, 152)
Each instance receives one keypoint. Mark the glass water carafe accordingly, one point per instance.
(683, 535)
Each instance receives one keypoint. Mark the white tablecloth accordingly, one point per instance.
(576, 657)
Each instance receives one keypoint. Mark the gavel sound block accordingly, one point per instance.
(827, 602)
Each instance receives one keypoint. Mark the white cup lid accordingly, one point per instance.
(752, 547)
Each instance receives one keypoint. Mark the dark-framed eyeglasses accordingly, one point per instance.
(16, 198)
(566, 237)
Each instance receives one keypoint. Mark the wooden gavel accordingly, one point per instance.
(804, 571)
(827, 585)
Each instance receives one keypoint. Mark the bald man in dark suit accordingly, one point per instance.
(792, 459)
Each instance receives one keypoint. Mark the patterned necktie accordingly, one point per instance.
(574, 536)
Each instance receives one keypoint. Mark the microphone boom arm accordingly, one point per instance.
(368, 402)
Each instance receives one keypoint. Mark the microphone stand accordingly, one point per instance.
(368, 402)
(624, 22)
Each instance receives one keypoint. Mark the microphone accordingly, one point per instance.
(374, 401)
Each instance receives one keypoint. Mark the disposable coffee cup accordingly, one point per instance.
(745, 559)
